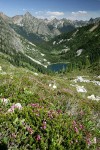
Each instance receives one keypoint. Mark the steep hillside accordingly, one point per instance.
(43, 110)
(80, 47)
(18, 50)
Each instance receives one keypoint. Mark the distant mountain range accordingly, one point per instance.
(37, 30)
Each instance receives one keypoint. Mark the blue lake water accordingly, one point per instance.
(57, 67)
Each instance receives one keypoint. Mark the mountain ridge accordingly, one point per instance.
(44, 29)
(64, 47)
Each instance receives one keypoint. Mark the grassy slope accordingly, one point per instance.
(59, 119)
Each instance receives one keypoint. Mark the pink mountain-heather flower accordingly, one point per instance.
(81, 126)
(88, 141)
(74, 123)
(76, 129)
(38, 137)
(30, 130)
(14, 106)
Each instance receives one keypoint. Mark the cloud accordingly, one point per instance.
(79, 13)
(55, 13)
(39, 12)
(49, 14)
(24, 9)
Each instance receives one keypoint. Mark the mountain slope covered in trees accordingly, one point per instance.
(80, 47)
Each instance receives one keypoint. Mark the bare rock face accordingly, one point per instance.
(34, 25)
(44, 29)
(17, 19)
(9, 39)
(6, 18)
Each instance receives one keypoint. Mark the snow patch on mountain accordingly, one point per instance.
(79, 52)
(93, 28)
(54, 42)
(42, 54)
(65, 50)
(44, 59)
(36, 61)
(32, 44)
(69, 39)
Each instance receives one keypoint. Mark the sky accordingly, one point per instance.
(70, 9)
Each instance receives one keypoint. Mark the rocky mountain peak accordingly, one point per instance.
(17, 19)
(6, 18)
(28, 15)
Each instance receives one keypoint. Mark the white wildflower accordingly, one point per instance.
(18, 105)
(0, 68)
(35, 73)
(50, 85)
(4, 100)
(13, 107)
(94, 140)
(54, 86)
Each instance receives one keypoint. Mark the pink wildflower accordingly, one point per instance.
(13, 135)
(35, 105)
(38, 137)
(81, 126)
(59, 111)
(74, 123)
(50, 114)
(76, 129)
(81, 112)
(44, 122)
(44, 125)
(88, 141)
(17, 105)
(11, 110)
(30, 130)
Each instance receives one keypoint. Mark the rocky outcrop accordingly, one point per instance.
(9, 39)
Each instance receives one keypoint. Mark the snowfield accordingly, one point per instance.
(79, 52)
(36, 61)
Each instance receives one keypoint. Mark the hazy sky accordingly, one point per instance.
(71, 9)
